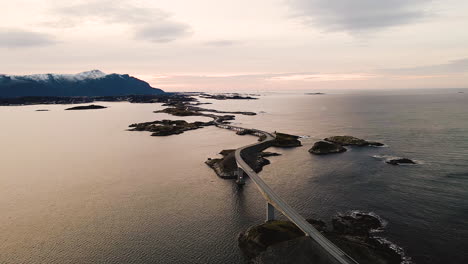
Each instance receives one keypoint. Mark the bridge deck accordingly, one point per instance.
(335, 254)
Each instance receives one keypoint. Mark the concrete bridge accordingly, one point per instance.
(328, 251)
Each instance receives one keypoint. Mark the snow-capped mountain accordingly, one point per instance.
(90, 83)
(94, 74)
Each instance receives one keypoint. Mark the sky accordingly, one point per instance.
(254, 45)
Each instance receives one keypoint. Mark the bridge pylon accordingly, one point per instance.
(270, 212)
(240, 176)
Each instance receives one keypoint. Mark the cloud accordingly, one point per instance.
(359, 15)
(18, 38)
(455, 66)
(163, 32)
(265, 78)
(147, 23)
(222, 43)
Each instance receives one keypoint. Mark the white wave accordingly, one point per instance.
(399, 250)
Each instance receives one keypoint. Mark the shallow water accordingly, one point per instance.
(78, 188)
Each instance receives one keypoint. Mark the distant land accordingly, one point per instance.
(90, 83)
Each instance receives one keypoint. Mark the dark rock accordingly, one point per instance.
(42, 110)
(352, 141)
(269, 154)
(400, 161)
(357, 224)
(286, 140)
(323, 147)
(314, 93)
(86, 107)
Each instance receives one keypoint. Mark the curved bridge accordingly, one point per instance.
(329, 252)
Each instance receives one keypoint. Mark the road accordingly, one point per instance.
(334, 254)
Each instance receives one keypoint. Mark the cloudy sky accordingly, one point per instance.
(255, 45)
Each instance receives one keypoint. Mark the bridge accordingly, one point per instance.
(330, 252)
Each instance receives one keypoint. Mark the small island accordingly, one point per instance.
(286, 141)
(226, 97)
(273, 241)
(168, 127)
(352, 141)
(324, 147)
(86, 107)
(398, 161)
(226, 167)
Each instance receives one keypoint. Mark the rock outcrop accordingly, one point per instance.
(324, 147)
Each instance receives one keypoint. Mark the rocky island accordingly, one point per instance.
(168, 127)
(324, 147)
(283, 242)
(226, 167)
(352, 141)
(286, 141)
(398, 161)
(86, 107)
(226, 97)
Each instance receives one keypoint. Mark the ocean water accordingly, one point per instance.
(78, 188)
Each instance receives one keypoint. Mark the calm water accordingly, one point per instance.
(78, 188)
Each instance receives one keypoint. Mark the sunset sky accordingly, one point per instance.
(260, 45)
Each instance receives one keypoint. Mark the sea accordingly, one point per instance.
(78, 187)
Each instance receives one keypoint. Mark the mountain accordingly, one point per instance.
(91, 83)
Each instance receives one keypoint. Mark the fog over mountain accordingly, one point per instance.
(90, 83)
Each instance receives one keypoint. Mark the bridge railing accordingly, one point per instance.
(329, 252)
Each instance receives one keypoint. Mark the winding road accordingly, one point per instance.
(330, 251)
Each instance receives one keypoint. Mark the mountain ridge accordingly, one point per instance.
(88, 83)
